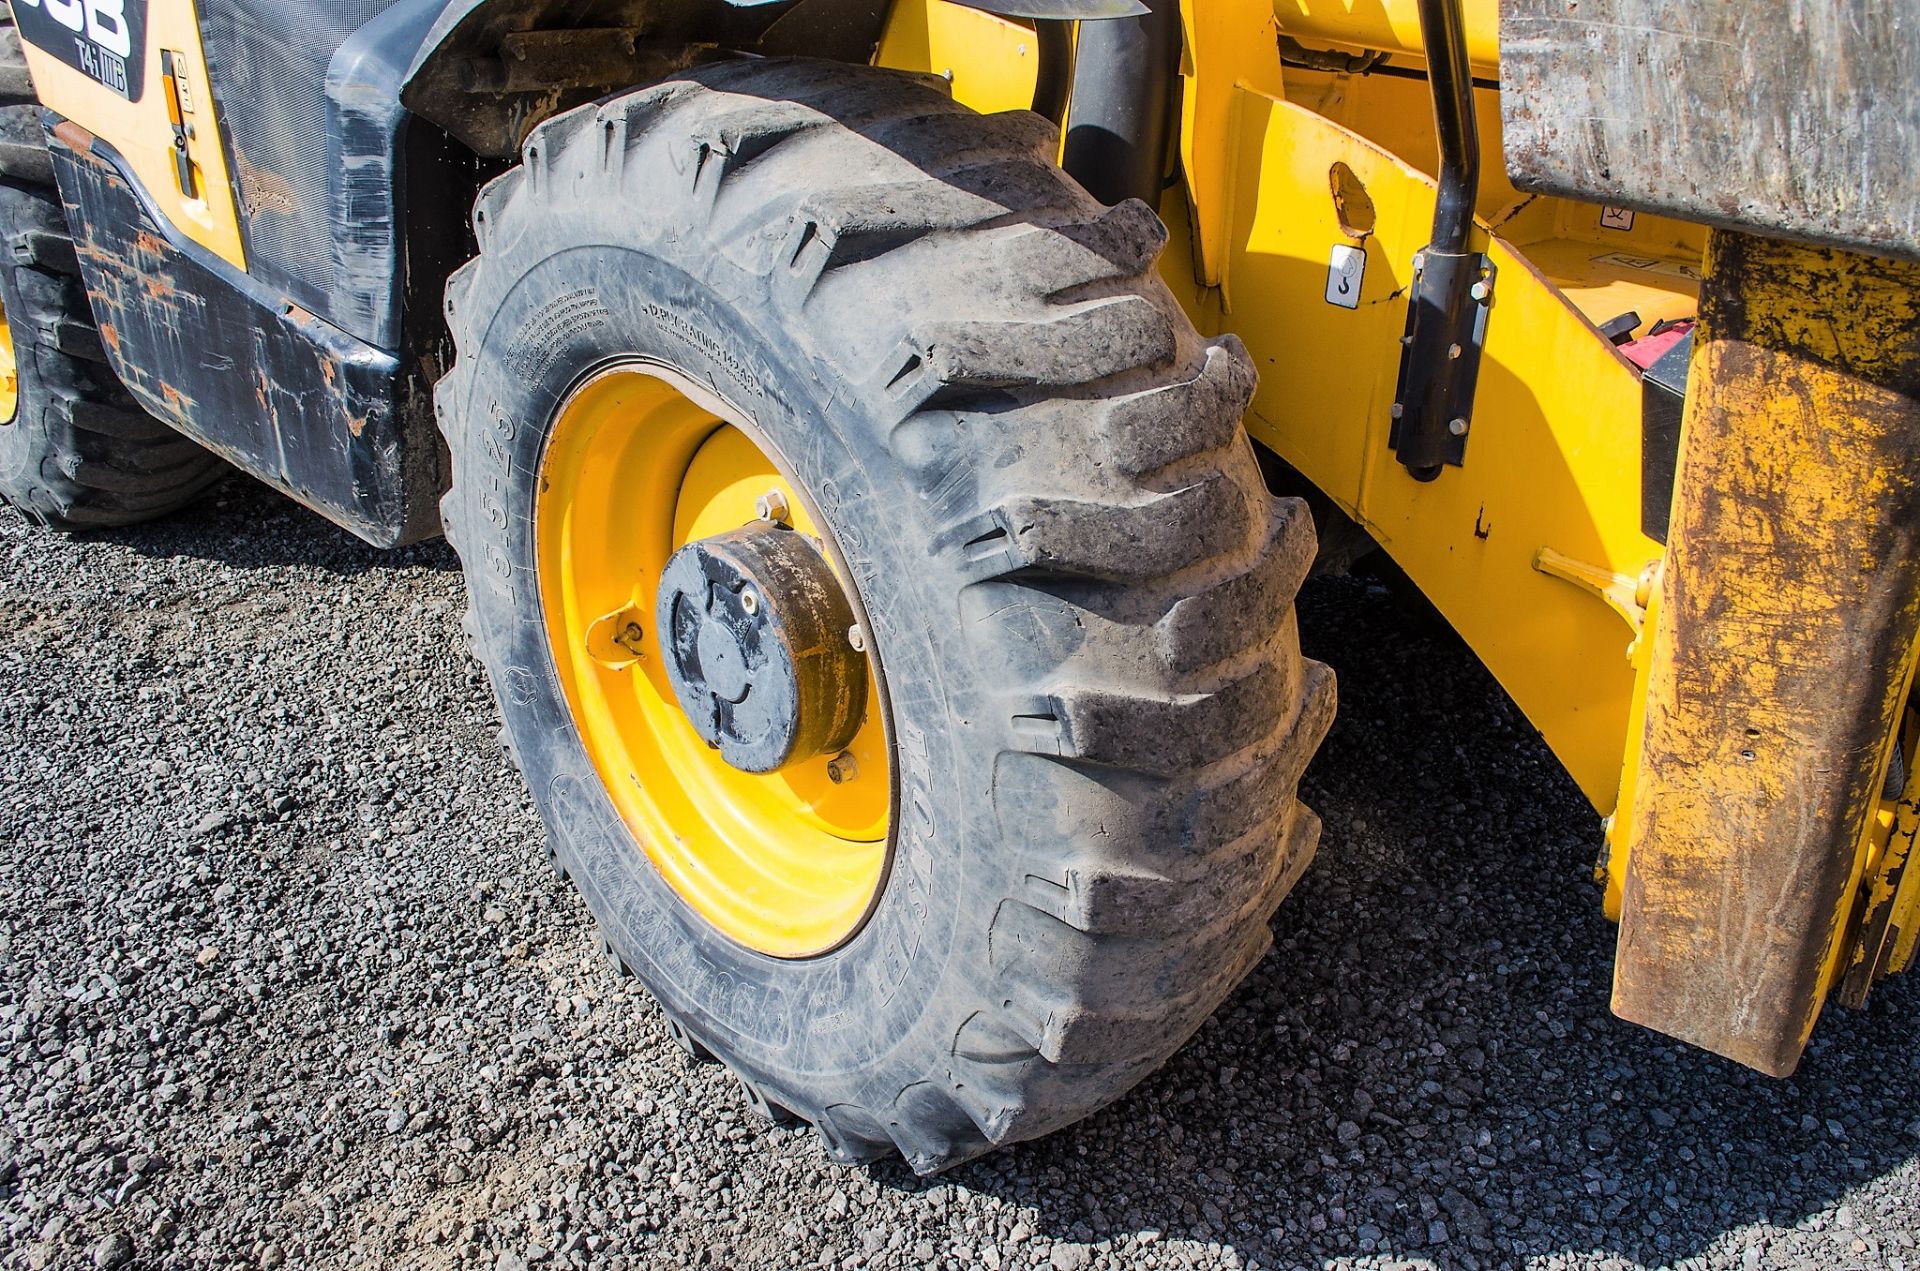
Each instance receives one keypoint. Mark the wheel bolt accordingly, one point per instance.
(771, 506)
(841, 768)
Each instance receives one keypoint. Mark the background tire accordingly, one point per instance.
(77, 450)
(1079, 588)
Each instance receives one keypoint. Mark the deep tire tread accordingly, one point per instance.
(1180, 696)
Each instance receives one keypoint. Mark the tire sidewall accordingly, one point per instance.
(851, 1026)
(24, 440)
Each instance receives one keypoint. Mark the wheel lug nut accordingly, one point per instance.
(841, 768)
(750, 600)
(771, 506)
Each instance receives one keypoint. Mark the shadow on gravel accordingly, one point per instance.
(247, 525)
(1425, 1066)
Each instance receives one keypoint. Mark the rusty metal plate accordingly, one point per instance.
(1789, 606)
(1788, 119)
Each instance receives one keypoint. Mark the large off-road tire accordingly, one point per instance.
(1075, 582)
(75, 449)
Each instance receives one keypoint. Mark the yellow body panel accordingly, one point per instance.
(1227, 45)
(142, 131)
(1388, 27)
(1536, 550)
(1553, 461)
(992, 63)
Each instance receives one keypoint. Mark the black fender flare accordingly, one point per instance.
(437, 84)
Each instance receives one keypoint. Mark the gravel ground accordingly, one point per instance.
(287, 983)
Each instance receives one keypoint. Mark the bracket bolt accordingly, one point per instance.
(1398, 410)
(771, 506)
(1481, 290)
(1453, 350)
(857, 638)
(1458, 427)
(842, 769)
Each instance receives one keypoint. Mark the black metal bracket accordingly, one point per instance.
(1440, 360)
(1452, 287)
(1126, 80)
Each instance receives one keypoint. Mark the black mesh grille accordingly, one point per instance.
(269, 61)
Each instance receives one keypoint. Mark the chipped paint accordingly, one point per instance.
(1789, 605)
(282, 394)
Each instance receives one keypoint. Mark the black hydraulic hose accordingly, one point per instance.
(1121, 120)
(1443, 32)
(1055, 80)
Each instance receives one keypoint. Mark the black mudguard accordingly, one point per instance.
(329, 419)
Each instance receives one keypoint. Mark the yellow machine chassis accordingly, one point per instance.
(1535, 550)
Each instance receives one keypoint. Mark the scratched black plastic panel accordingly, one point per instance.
(336, 423)
(268, 60)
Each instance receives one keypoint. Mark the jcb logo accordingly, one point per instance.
(104, 21)
(106, 39)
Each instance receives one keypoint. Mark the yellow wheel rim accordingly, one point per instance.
(640, 463)
(9, 371)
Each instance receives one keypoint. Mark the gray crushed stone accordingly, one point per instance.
(285, 982)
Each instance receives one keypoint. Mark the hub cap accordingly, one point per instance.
(758, 652)
(704, 651)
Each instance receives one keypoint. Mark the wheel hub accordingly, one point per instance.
(755, 628)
